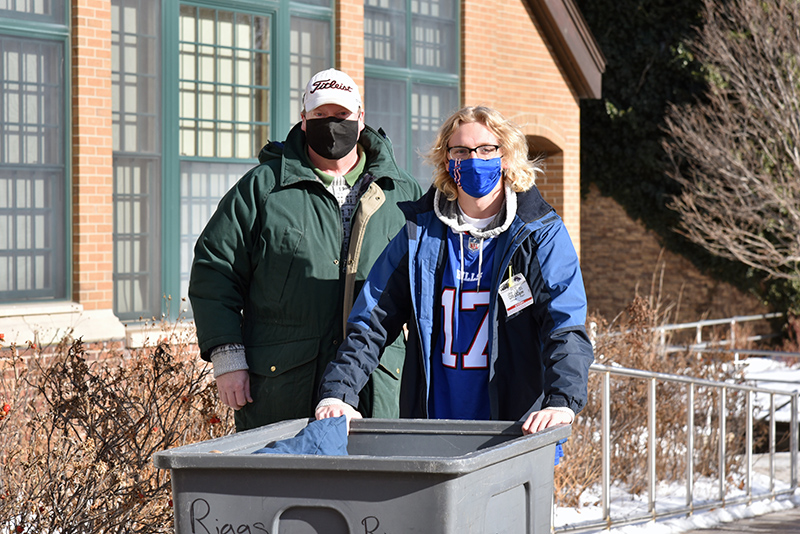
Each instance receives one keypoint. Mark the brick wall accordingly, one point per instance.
(530, 88)
(92, 187)
(350, 39)
(622, 259)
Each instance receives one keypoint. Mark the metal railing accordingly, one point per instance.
(699, 326)
(690, 506)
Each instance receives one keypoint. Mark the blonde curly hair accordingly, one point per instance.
(519, 173)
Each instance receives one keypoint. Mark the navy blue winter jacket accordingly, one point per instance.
(539, 357)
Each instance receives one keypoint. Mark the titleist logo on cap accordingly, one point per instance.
(329, 84)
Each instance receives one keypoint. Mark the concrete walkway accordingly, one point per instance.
(784, 521)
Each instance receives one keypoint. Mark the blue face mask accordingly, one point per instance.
(477, 177)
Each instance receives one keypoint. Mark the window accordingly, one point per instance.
(411, 81)
(433, 35)
(384, 32)
(229, 101)
(33, 177)
(136, 105)
(191, 112)
(224, 82)
(224, 111)
(310, 52)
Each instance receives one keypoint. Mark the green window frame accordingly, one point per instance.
(34, 152)
(204, 154)
(411, 73)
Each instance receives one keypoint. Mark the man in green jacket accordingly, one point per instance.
(278, 265)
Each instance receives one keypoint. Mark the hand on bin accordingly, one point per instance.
(336, 408)
(545, 419)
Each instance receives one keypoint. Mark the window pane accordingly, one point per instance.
(136, 66)
(224, 83)
(137, 198)
(32, 106)
(136, 105)
(310, 52)
(38, 10)
(433, 35)
(385, 32)
(430, 106)
(32, 171)
(31, 233)
(385, 107)
(202, 186)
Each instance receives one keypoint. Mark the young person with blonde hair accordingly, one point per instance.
(486, 277)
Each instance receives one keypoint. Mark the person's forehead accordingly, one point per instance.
(330, 109)
(472, 133)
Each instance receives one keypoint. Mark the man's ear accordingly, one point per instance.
(303, 120)
(361, 122)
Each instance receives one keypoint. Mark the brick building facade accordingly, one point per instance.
(621, 259)
(126, 120)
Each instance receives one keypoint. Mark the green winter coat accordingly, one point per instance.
(269, 273)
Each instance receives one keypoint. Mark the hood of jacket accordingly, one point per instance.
(449, 213)
(296, 166)
(519, 208)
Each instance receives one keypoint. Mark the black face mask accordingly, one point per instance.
(331, 137)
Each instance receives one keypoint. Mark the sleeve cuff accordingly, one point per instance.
(228, 358)
(330, 401)
(563, 409)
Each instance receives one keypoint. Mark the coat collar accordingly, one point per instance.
(296, 167)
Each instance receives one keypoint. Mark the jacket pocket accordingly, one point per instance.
(282, 383)
(275, 360)
(280, 258)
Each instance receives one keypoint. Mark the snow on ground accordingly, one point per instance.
(775, 375)
(672, 497)
(766, 373)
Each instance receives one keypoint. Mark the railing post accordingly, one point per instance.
(690, 448)
(793, 428)
(748, 469)
(771, 442)
(651, 446)
(733, 341)
(722, 432)
(606, 437)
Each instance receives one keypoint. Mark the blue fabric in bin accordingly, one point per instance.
(326, 437)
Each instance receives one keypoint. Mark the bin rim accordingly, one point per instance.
(235, 451)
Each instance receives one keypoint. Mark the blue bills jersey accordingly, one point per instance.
(460, 361)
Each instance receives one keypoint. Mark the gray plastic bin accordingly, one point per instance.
(401, 476)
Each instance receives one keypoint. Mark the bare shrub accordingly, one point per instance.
(791, 341)
(633, 341)
(78, 438)
(77, 434)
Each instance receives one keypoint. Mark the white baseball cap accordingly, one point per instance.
(331, 87)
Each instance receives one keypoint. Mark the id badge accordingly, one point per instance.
(516, 294)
